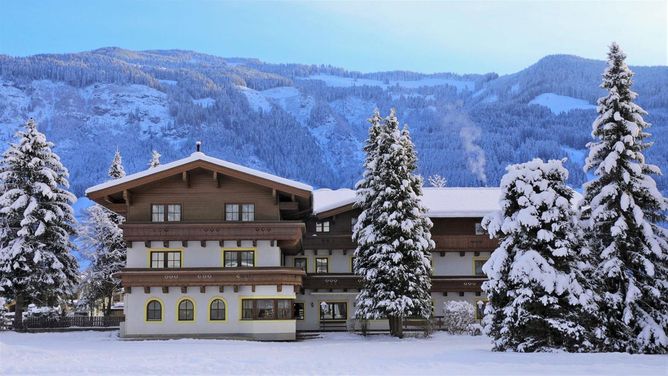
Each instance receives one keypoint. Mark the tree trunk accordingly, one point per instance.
(396, 327)
(18, 312)
(107, 313)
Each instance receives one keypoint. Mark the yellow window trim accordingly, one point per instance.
(241, 298)
(208, 307)
(162, 310)
(149, 250)
(315, 263)
(477, 258)
(333, 301)
(238, 249)
(178, 302)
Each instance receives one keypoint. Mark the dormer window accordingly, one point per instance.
(322, 226)
(165, 212)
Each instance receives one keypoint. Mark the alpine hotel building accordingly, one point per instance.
(216, 249)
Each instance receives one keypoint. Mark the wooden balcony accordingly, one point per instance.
(353, 282)
(329, 241)
(459, 243)
(287, 233)
(184, 277)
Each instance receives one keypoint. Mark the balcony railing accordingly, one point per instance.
(351, 281)
(464, 243)
(184, 277)
(288, 232)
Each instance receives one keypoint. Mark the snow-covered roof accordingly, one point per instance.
(199, 156)
(446, 202)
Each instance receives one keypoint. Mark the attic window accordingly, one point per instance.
(478, 229)
(322, 226)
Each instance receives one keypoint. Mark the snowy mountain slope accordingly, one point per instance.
(308, 122)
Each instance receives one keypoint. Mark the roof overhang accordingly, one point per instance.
(198, 160)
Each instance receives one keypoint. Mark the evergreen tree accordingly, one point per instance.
(102, 239)
(438, 181)
(622, 216)
(36, 221)
(155, 159)
(392, 233)
(116, 169)
(537, 294)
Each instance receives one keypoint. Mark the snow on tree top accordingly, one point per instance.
(199, 156)
(445, 202)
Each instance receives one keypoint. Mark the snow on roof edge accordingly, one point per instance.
(196, 156)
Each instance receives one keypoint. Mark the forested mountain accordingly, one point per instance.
(309, 122)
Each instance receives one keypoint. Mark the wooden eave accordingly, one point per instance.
(100, 195)
(335, 211)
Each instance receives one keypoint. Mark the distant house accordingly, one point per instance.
(216, 249)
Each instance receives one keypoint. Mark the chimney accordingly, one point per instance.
(198, 146)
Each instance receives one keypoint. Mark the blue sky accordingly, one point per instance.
(454, 36)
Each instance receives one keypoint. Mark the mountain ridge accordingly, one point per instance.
(308, 122)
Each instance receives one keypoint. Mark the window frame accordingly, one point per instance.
(214, 300)
(305, 259)
(320, 226)
(239, 212)
(178, 309)
(146, 310)
(243, 213)
(239, 258)
(477, 259)
(331, 303)
(315, 264)
(235, 218)
(165, 211)
(478, 226)
(165, 258)
(276, 309)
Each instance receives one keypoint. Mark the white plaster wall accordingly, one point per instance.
(135, 303)
(452, 263)
(209, 256)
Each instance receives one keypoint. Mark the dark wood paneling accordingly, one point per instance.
(211, 276)
(454, 226)
(459, 243)
(203, 201)
(351, 281)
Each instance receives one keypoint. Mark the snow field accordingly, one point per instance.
(102, 353)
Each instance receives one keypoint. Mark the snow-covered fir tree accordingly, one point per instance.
(538, 298)
(116, 169)
(102, 241)
(36, 222)
(438, 181)
(622, 212)
(155, 159)
(392, 232)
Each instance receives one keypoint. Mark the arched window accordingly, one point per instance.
(217, 310)
(186, 310)
(154, 311)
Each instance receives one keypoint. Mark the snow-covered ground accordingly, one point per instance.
(335, 353)
(560, 103)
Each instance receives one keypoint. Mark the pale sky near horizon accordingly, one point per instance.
(433, 36)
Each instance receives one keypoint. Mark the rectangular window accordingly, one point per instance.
(478, 229)
(165, 259)
(321, 265)
(238, 259)
(174, 213)
(300, 262)
(477, 267)
(231, 212)
(322, 226)
(267, 309)
(333, 311)
(248, 212)
(157, 213)
(298, 311)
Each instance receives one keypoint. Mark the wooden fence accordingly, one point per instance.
(72, 322)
